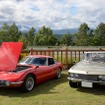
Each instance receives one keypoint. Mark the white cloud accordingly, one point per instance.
(52, 13)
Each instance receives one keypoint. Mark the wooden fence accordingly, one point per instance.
(67, 57)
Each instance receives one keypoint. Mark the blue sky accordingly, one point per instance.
(57, 14)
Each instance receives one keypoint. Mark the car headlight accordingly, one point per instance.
(72, 75)
(4, 82)
(101, 77)
(7, 83)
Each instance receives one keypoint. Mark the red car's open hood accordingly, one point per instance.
(9, 55)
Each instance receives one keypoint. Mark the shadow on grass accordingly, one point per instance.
(44, 88)
(97, 90)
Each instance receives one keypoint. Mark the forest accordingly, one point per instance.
(45, 36)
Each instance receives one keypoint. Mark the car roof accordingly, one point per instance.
(42, 56)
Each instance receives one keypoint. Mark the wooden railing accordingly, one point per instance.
(67, 57)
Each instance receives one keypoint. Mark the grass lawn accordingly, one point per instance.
(54, 92)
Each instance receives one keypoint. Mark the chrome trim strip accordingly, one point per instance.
(16, 83)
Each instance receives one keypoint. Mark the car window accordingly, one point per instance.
(87, 57)
(96, 57)
(33, 60)
(51, 61)
(26, 60)
(39, 61)
(99, 57)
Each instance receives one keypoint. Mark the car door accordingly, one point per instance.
(47, 71)
(52, 67)
(43, 71)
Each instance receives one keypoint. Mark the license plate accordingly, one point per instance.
(87, 84)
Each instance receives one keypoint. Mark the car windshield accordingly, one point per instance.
(94, 57)
(33, 60)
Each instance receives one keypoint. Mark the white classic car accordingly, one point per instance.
(90, 70)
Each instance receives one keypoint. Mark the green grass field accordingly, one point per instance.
(54, 92)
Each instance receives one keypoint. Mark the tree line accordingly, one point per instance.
(45, 36)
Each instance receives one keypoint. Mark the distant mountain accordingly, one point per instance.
(55, 31)
(65, 31)
(23, 28)
(61, 32)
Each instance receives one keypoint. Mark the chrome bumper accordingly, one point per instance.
(80, 80)
(8, 84)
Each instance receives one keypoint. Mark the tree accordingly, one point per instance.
(99, 37)
(24, 40)
(30, 36)
(4, 35)
(5, 27)
(13, 33)
(45, 37)
(38, 40)
(0, 42)
(66, 39)
(82, 37)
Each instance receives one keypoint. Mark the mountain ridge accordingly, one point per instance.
(55, 31)
(65, 31)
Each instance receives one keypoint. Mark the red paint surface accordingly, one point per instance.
(9, 55)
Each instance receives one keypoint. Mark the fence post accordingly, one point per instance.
(31, 51)
(66, 57)
(100, 49)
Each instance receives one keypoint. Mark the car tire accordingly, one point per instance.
(58, 74)
(28, 84)
(73, 84)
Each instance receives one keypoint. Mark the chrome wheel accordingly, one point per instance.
(30, 83)
(58, 75)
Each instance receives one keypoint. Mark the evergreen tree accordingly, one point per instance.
(66, 39)
(82, 37)
(45, 37)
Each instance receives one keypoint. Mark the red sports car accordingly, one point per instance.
(32, 70)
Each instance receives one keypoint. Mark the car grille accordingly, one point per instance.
(88, 77)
